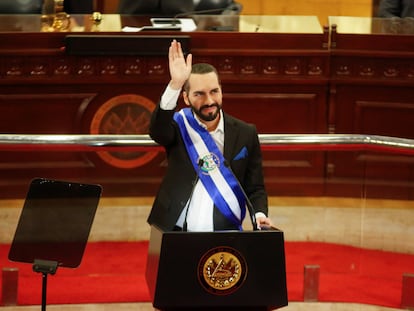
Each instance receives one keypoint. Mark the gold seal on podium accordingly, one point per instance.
(222, 270)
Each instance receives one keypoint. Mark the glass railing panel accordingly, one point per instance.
(344, 202)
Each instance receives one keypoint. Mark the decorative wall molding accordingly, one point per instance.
(373, 68)
(27, 67)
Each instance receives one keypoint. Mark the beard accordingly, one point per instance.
(210, 116)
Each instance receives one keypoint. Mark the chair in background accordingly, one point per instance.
(173, 7)
(229, 6)
(79, 6)
(21, 6)
(35, 6)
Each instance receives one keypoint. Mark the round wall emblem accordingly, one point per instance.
(222, 270)
(123, 115)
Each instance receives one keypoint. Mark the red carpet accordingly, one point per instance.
(115, 272)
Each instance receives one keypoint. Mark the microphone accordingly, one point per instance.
(248, 202)
(199, 165)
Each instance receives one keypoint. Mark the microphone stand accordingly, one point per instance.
(248, 202)
(200, 164)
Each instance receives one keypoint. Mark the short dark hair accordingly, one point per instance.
(201, 68)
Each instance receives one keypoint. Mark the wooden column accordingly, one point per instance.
(311, 283)
(407, 297)
(9, 286)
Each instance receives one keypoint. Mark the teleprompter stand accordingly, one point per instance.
(45, 267)
(54, 226)
(227, 270)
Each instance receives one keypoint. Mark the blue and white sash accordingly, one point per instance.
(219, 181)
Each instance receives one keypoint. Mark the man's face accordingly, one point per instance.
(204, 95)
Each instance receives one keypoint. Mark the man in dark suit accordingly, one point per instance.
(173, 7)
(155, 7)
(78, 6)
(396, 8)
(35, 6)
(214, 159)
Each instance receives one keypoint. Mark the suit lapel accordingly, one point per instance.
(231, 134)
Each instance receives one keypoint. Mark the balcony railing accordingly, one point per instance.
(15, 142)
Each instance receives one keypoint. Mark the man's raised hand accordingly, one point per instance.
(180, 68)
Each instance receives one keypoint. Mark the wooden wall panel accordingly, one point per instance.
(288, 110)
(372, 92)
(56, 112)
(376, 117)
(104, 93)
(374, 110)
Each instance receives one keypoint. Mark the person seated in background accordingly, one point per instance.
(35, 6)
(173, 7)
(78, 6)
(21, 7)
(396, 8)
(154, 7)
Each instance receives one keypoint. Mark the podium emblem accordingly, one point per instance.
(222, 270)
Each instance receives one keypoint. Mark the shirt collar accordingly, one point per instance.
(220, 125)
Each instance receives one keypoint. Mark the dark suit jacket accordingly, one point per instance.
(155, 7)
(171, 8)
(79, 6)
(177, 185)
(35, 6)
(396, 8)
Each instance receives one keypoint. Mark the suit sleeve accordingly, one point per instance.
(162, 126)
(254, 180)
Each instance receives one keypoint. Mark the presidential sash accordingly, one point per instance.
(210, 165)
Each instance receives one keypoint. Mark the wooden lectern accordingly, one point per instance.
(222, 270)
